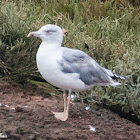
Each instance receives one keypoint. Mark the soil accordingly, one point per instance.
(26, 115)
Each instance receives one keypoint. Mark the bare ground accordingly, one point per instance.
(26, 115)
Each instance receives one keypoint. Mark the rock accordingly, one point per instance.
(32, 137)
(3, 136)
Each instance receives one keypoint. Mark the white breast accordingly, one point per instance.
(47, 62)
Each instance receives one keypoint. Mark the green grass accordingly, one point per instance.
(110, 29)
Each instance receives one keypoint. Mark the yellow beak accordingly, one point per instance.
(30, 35)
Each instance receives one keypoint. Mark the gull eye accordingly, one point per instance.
(50, 31)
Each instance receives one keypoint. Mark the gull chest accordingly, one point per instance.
(47, 63)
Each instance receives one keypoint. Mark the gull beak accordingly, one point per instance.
(65, 32)
(31, 34)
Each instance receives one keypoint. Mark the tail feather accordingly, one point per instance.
(115, 76)
(114, 84)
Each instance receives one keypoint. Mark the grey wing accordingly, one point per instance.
(90, 72)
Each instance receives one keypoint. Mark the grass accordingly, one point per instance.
(108, 31)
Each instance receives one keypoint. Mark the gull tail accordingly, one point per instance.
(114, 84)
(115, 76)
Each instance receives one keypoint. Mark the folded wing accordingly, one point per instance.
(90, 72)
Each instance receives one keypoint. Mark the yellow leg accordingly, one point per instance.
(63, 116)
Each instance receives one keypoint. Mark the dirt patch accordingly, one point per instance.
(25, 115)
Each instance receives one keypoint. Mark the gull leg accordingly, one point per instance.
(68, 102)
(65, 100)
(63, 116)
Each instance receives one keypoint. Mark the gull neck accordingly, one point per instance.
(50, 45)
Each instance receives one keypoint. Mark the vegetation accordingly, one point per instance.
(108, 30)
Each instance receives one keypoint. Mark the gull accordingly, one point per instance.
(66, 68)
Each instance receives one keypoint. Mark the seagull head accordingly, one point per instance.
(49, 33)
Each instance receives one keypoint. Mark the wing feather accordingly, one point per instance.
(90, 72)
